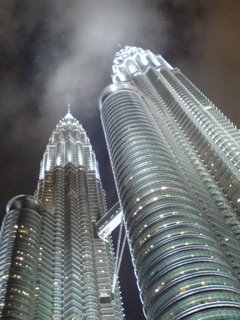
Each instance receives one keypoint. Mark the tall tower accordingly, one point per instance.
(54, 265)
(176, 161)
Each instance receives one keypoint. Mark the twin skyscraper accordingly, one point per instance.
(175, 159)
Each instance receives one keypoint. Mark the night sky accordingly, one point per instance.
(57, 52)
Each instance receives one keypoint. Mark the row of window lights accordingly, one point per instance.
(15, 276)
(154, 199)
(183, 272)
(21, 227)
(23, 253)
(169, 236)
(23, 265)
(152, 190)
(184, 289)
(20, 291)
(172, 247)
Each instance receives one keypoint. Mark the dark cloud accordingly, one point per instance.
(57, 52)
(215, 66)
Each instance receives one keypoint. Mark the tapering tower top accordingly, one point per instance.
(131, 60)
(68, 143)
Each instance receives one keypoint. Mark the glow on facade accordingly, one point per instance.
(54, 264)
(19, 251)
(175, 159)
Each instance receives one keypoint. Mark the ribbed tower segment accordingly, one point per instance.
(82, 268)
(19, 248)
(175, 162)
(53, 264)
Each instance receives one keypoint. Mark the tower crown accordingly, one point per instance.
(131, 60)
(68, 143)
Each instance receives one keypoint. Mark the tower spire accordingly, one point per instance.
(68, 115)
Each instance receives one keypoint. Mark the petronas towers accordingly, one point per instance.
(175, 159)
